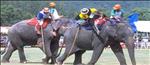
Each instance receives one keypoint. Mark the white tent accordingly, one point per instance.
(4, 30)
(143, 26)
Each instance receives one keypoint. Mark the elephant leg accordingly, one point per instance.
(47, 49)
(78, 57)
(54, 46)
(54, 49)
(45, 60)
(8, 52)
(19, 45)
(130, 47)
(17, 42)
(53, 57)
(66, 54)
(117, 49)
(96, 54)
(22, 55)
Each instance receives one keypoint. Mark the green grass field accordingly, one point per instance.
(34, 56)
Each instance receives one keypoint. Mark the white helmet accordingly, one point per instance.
(84, 10)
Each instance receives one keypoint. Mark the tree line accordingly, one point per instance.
(15, 11)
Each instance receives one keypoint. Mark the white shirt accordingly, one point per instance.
(54, 13)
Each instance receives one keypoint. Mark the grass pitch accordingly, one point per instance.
(34, 56)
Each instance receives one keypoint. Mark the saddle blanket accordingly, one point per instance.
(34, 22)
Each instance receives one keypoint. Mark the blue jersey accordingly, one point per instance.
(41, 15)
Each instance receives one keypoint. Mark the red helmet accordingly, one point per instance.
(117, 7)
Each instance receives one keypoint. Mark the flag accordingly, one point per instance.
(133, 18)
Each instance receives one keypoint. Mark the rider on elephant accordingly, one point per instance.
(92, 16)
(86, 16)
(53, 11)
(41, 16)
(117, 13)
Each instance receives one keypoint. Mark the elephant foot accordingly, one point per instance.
(90, 64)
(5, 61)
(52, 62)
(58, 62)
(79, 64)
(44, 61)
(25, 61)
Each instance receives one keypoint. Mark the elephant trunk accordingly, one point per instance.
(60, 51)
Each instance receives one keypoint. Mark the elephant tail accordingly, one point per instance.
(60, 50)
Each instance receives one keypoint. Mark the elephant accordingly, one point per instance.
(21, 34)
(78, 40)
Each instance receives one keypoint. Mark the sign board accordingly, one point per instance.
(143, 26)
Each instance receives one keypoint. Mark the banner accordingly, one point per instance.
(133, 18)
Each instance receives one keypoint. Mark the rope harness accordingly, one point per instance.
(74, 41)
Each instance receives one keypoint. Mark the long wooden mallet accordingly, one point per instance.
(43, 42)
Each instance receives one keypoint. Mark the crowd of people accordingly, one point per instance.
(142, 43)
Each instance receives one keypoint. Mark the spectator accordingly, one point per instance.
(148, 44)
(142, 44)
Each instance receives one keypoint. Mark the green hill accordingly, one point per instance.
(14, 11)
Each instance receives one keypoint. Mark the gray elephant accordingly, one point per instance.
(78, 41)
(21, 34)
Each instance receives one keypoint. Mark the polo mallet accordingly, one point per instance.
(42, 38)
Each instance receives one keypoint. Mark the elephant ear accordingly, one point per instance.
(59, 23)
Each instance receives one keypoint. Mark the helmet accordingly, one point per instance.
(117, 7)
(84, 11)
(52, 4)
(46, 9)
(93, 10)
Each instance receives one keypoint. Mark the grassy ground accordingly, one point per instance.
(34, 56)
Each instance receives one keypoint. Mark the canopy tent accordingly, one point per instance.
(143, 26)
(4, 30)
